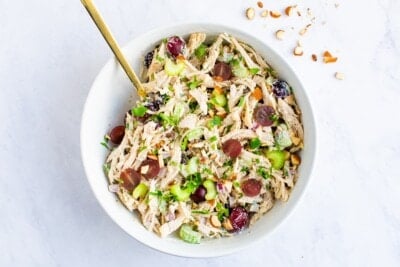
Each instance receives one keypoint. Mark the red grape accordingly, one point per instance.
(223, 70)
(175, 45)
(153, 168)
(199, 195)
(262, 115)
(117, 134)
(130, 179)
(239, 218)
(251, 187)
(232, 148)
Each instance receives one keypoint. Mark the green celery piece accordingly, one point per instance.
(211, 189)
(187, 234)
(173, 69)
(179, 193)
(277, 158)
(140, 191)
(255, 143)
(139, 111)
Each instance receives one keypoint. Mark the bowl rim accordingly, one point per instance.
(247, 36)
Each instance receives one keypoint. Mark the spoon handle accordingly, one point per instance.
(105, 31)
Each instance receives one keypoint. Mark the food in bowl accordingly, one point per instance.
(212, 143)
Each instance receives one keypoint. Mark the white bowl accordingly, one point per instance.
(112, 95)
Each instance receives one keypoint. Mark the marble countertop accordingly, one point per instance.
(51, 52)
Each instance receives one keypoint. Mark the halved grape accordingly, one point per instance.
(238, 218)
(223, 70)
(130, 179)
(232, 148)
(150, 168)
(251, 187)
(117, 134)
(263, 114)
(175, 45)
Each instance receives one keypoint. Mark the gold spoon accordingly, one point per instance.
(105, 31)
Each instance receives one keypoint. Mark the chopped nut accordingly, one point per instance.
(275, 14)
(144, 169)
(327, 54)
(298, 13)
(260, 4)
(280, 34)
(295, 140)
(227, 225)
(328, 58)
(299, 43)
(298, 51)
(295, 159)
(289, 10)
(314, 57)
(264, 13)
(215, 222)
(151, 156)
(304, 30)
(339, 76)
(250, 13)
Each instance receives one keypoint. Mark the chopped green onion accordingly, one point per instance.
(200, 51)
(264, 173)
(160, 59)
(215, 121)
(195, 133)
(184, 143)
(106, 168)
(222, 211)
(213, 139)
(254, 71)
(194, 83)
(244, 169)
(139, 111)
(200, 212)
(255, 143)
(241, 102)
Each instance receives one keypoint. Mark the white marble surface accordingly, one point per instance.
(50, 53)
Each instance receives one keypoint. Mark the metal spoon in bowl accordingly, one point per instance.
(105, 31)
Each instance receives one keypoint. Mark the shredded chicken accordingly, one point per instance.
(176, 140)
